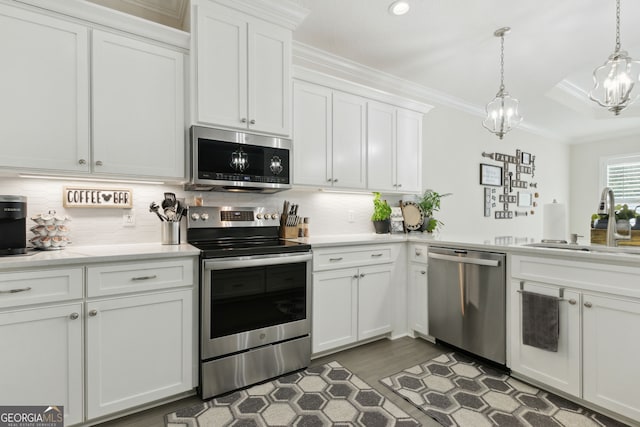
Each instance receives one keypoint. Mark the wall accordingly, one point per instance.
(454, 142)
(585, 177)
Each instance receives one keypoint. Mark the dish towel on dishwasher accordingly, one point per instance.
(540, 321)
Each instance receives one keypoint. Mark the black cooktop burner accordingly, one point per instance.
(248, 247)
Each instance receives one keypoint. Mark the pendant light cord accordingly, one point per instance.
(617, 26)
(502, 62)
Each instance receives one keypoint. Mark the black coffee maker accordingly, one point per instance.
(13, 225)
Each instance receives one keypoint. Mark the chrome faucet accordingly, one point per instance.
(607, 197)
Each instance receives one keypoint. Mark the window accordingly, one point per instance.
(622, 174)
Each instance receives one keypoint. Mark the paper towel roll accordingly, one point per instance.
(554, 221)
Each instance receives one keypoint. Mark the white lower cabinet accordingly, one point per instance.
(120, 339)
(418, 299)
(560, 369)
(41, 361)
(351, 304)
(611, 329)
(138, 350)
(599, 336)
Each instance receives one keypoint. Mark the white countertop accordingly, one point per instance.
(99, 253)
(506, 244)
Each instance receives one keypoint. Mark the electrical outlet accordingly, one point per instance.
(128, 218)
(351, 216)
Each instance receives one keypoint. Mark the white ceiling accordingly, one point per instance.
(448, 45)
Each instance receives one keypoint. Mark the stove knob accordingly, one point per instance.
(204, 216)
(274, 216)
(259, 216)
(195, 216)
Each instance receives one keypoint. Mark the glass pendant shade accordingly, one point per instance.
(502, 114)
(614, 82)
(502, 111)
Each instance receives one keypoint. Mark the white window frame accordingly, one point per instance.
(605, 162)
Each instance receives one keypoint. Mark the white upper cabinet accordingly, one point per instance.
(243, 71)
(394, 144)
(311, 134)
(44, 92)
(138, 107)
(349, 149)
(129, 121)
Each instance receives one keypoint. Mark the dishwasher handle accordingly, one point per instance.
(465, 260)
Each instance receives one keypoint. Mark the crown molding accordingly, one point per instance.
(309, 57)
(285, 13)
(105, 17)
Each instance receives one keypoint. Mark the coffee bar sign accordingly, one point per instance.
(88, 197)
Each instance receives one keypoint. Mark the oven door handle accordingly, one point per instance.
(229, 263)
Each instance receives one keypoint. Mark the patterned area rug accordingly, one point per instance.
(455, 390)
(327, 395)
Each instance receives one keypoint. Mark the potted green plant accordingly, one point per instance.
(430, 203)
(381, 214)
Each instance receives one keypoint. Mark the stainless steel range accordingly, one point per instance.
(255, 297)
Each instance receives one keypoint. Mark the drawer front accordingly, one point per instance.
(40, 286)
(350, 257)
(120, 278)
(418, 253)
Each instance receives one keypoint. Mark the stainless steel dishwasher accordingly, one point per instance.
(467, 293)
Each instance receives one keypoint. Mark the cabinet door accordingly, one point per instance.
(381, 146)
(138, 107)
(41, 361)
(311, 134)
(349, 143)
(409, 150)
(44, 92)
(418, 302)
(335, 309)
(139, 349)
(221, 66)
(375, 302)
(611, 329)
(559, 369)
(269, 78)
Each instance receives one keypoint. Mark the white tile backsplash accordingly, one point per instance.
(328, 212)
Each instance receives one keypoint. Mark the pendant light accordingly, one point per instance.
(502, 112)
(615, 80)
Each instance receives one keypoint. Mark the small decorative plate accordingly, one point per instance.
(413, 215)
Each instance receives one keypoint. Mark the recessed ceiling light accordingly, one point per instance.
(399, 7)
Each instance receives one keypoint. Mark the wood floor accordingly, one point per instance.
(370, 362)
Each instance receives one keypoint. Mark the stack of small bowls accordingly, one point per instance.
(50, 231)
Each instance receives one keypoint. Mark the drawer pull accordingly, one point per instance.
(15, 291)
(336, 259)
(93, 313)
(74, 316)
(144, 277)
(376, 255)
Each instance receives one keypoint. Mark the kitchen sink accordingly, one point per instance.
(588, 248)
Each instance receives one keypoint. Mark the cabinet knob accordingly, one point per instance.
(418, 252)
(588, 304)
(572, 301)
(423, 272)
(335, 180)
(399, 185)
(93, 313)
(355, 276)
(74, 316)
(361, 275)
(329, 180)
(99, 163)
(243, 120)
(253, 122)
(82, 162)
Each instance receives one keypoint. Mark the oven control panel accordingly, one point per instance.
(228, 216)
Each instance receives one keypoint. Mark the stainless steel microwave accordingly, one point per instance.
(224, 160)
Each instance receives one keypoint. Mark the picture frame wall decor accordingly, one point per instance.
(490, 175)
